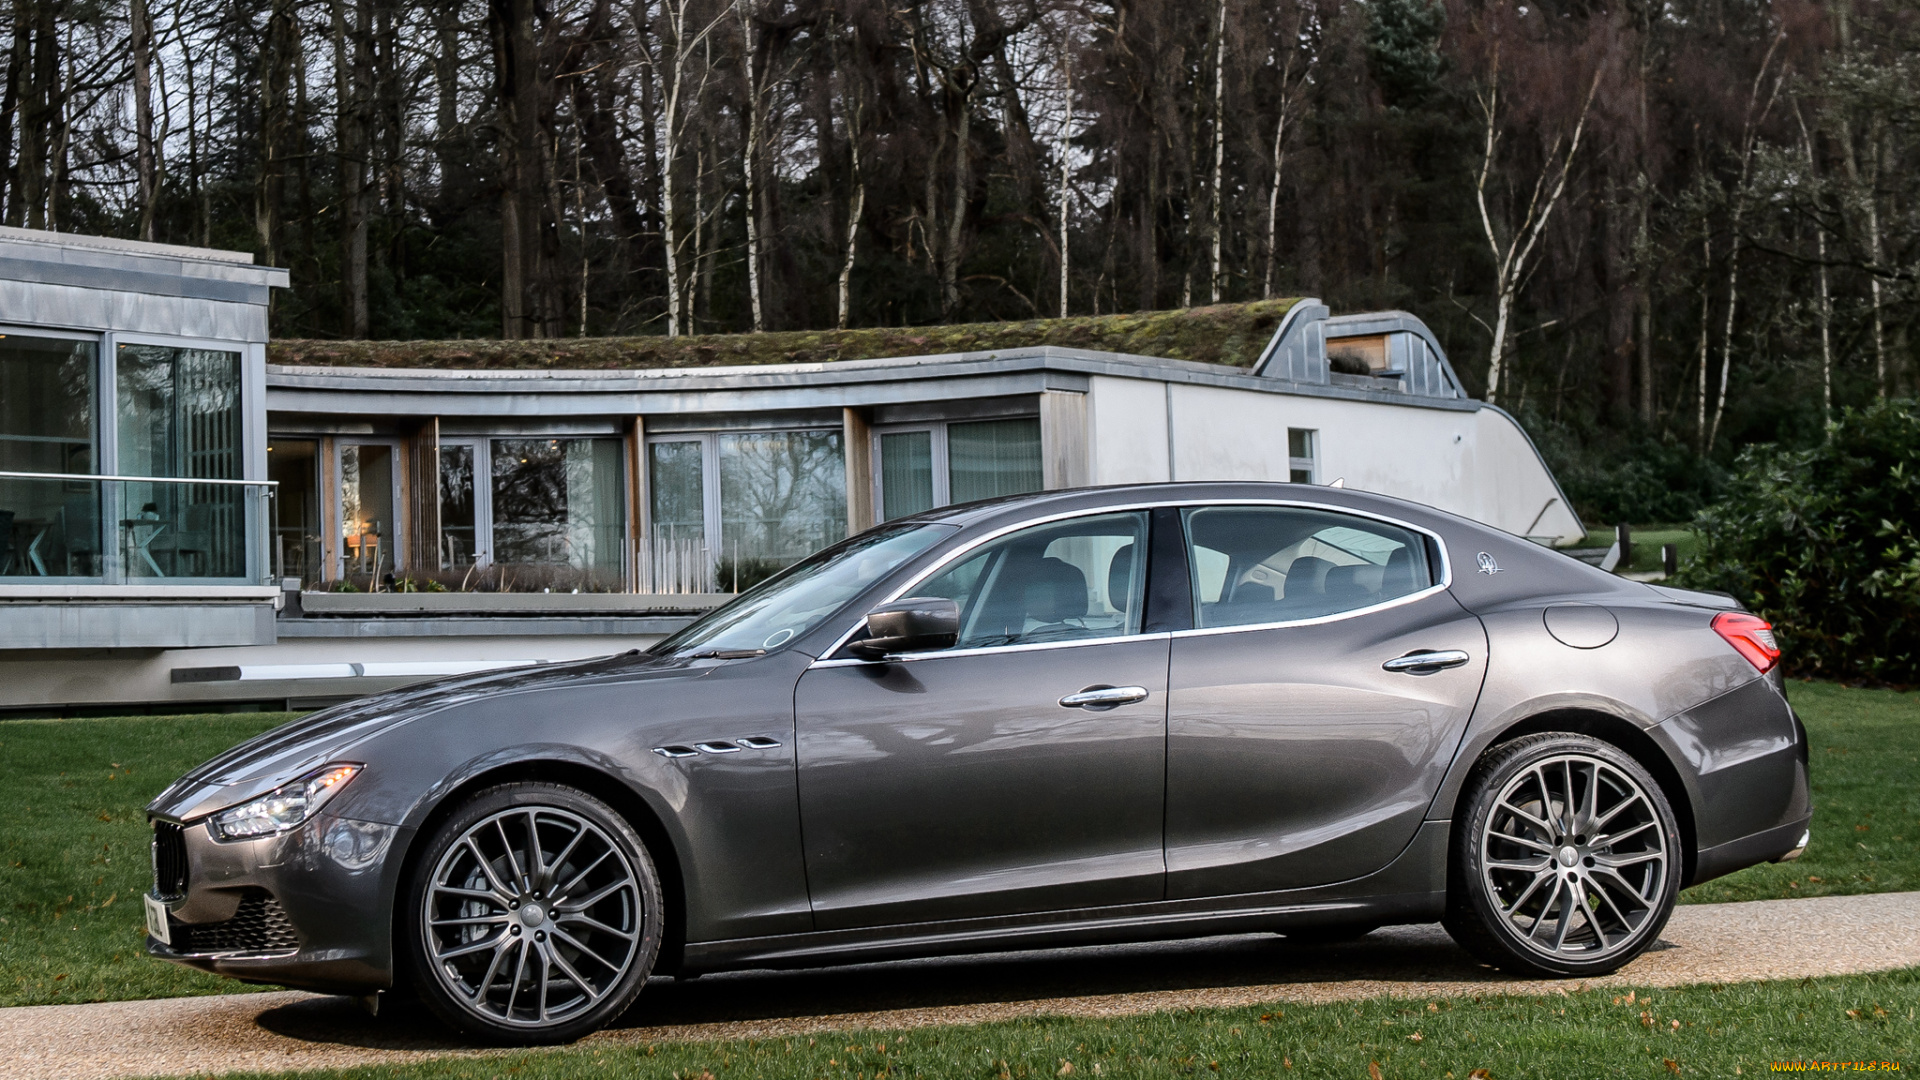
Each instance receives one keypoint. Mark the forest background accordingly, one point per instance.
(1656, 231)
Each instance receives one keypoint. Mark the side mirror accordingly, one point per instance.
(916, 624)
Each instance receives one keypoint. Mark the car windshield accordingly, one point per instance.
(797, 599)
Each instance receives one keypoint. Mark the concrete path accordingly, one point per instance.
(1778, 939)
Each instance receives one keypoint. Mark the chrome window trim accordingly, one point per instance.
(1440, 545)
(979, 650)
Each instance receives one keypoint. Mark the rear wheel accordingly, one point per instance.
(534, 915)
(1566, 858)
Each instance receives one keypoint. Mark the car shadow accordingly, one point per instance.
(1395, 954)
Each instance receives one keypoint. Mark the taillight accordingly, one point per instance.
(1751, 636)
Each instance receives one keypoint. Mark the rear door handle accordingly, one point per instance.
(1104, 697)
(1426, 663)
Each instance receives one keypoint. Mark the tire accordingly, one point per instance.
(1536, 890)
(532, 916)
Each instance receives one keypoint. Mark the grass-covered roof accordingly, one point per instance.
(1231, 334)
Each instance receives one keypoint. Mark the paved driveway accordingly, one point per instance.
(1776, 939)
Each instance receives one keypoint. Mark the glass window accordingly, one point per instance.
(1263, 564)
(906, 473)
(797, 599)
(783, 496)
(179, 416)
(457, 533)
(676, 489)
(557, 502)
(988, 458)
(1301, 464)
(1062, 581)
(294, 463)
(48, 528)
(366, 509)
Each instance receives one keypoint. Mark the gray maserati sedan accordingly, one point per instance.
(1073, 717)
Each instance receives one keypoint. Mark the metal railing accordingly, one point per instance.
(104, 527)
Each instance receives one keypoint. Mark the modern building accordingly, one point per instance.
(423, 521)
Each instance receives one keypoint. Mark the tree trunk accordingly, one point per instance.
(749, 66)
(276, 57)
(855, 207)
(350, 90)
(1214, 228)
(145, 164)
(510, 23)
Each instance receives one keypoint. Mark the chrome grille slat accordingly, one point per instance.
(169, 860)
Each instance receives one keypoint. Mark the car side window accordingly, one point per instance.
(1062, 581)
(1265, 564)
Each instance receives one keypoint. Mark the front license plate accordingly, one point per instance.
(157, 920)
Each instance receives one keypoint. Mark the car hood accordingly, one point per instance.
(300, 746)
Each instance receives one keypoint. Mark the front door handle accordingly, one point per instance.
(1426, 663)
(1104, 697)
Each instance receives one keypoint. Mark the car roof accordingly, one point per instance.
(1011, 508)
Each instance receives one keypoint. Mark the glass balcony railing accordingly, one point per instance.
(75, 527)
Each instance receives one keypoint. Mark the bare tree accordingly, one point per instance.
(1513, 258)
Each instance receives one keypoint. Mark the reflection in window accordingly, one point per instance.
(366, 509)
(906, 473)
(783, 496)
(48, 528)
(1279, 564)
(179, 416)
(296, 508)
(1057, 582)
(457, 536)
(987, 458)
(676, 488)
(557, 502)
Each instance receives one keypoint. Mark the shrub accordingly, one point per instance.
(1641, 482)
(1825, 543)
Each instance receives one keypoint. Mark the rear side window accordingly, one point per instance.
(1266, 564)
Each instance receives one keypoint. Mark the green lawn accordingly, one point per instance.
(74, 852)
(73, 841)
(1735, 1030)
(1865, 766)
(1647, 540)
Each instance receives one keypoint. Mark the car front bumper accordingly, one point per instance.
(307, 908)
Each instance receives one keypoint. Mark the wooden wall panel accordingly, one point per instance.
(422, 497)
(857, 436)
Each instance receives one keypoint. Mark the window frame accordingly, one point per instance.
(831, 657)
(1309, 464)
(482, 448)
(105, 448)
(397, 543)
(710, 509)
(942, 463)
(1436, 554)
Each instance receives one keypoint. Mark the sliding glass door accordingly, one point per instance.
(741, 505)
(50, 527)
(921, 466)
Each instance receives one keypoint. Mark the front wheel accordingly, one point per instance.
(1566, 858)
(533, 915)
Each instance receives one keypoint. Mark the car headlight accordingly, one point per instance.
(285, 806)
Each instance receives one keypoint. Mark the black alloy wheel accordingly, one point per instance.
(533, 915)
(1566, 858)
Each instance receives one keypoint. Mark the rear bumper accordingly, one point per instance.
(1779, 844)
(1743, 755)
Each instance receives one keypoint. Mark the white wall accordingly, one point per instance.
(1477, 464)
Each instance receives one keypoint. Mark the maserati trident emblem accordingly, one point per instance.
(1487, 565)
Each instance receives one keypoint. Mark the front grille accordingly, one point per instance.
(169, 861)
(258, 925)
